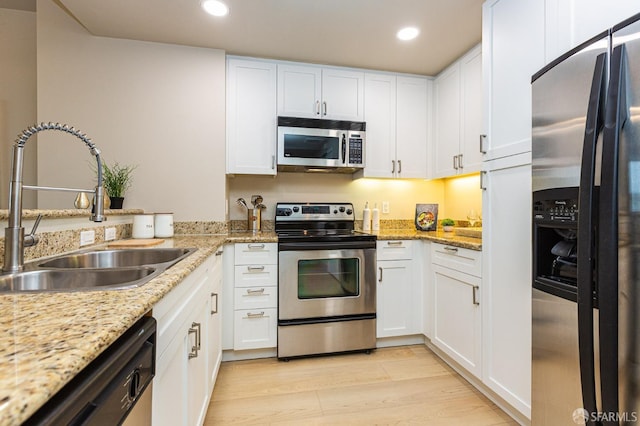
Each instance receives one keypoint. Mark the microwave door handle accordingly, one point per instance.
(344, 148)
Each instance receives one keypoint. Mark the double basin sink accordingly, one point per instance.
(94, 269)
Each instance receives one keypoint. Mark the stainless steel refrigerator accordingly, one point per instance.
(586, 233)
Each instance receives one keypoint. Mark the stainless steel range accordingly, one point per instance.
(326, 280)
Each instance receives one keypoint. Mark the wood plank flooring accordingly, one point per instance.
(406, 385)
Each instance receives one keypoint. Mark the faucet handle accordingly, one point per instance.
(32, 239)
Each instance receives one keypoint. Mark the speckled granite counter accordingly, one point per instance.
(449, 238)
(47, 338)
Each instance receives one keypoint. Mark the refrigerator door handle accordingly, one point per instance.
(615, 117)
(586, 235)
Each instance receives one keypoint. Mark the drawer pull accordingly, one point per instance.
(219, 252)
(255, 268)
(475, 295)
(252, 315)
(255, 292)
(255, 246)
(197, 330)
(394, 243)
(380, 279)
(451, 249)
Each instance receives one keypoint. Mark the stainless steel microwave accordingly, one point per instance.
(309, 144)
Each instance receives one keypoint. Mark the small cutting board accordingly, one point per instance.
(137, 242)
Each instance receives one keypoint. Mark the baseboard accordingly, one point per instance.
(477, 383)
(231, 355)
(386, 342)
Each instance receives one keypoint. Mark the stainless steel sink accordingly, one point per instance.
(93, 270)
(118, 258)
(75, 279)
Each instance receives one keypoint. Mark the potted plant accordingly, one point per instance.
(116, 179)
(447, 224)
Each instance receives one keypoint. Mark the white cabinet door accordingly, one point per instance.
(447, 122)
(471, 112)
(251, 117)
(313, 92)
(457, 324)
(506, 243)
(380, 116)
(342, 94)
(169, 385)
(413, 97)
(197, 377)
(256, 329)
(214, 327)
(513, 49)
(299, 91)
(395, 316)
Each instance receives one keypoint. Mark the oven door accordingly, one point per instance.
(321, 283)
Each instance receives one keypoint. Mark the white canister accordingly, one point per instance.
(163, 223)
(143, 226)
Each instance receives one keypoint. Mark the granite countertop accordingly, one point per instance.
(449, 238)
(47, 338)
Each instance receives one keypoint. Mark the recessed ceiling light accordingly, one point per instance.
(408, 33)
(215, 7)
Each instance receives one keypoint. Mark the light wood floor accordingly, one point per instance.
(406, 385)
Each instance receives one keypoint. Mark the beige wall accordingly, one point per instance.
(17, 94)
(462, 194)
(159, 106)
(402, 194)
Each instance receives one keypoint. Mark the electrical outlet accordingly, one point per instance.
(87, 237)
(110, 234)
(385, 207)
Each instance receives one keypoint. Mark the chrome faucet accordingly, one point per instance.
(14, 239)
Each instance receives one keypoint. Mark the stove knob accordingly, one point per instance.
(296, 209)
(335, 212)
(287, 212)
(349, 211)
(342, 209)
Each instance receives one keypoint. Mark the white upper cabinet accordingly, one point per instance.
(458, 117)
(513, 45)
(380, 116)
(397, 117)
(251, 117)
(314, 92)
(571, 22)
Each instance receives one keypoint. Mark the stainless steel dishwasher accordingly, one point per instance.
(113, 389)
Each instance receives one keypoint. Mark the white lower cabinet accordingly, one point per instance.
(181, 387)
(399, 290)
(255, 300)
(457, 317)
(214, 334)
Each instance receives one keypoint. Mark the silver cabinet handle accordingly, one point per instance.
(255, 246)
(475, 295)
(215, 309)
(324, 108)
(251, 292)
(273, 162)
(393, 166)
(219, 252)
(455, 162)
(394, 243)
(460, 161)
(482, 185)
(317, 107)
(451, 249)
(195, 329)
(252, 315)
(255, 268)
(399, 166)
(482, 148)
(380, 279)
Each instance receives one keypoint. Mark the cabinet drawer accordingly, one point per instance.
(255, 329)
(255, 297)
(255, 275)
(395, 250)
(256, 253)
(460, 259)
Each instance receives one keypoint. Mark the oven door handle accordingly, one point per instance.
(328, 245)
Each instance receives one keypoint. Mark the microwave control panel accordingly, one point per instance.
(355, 149)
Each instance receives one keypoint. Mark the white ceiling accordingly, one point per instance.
(355, 33)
